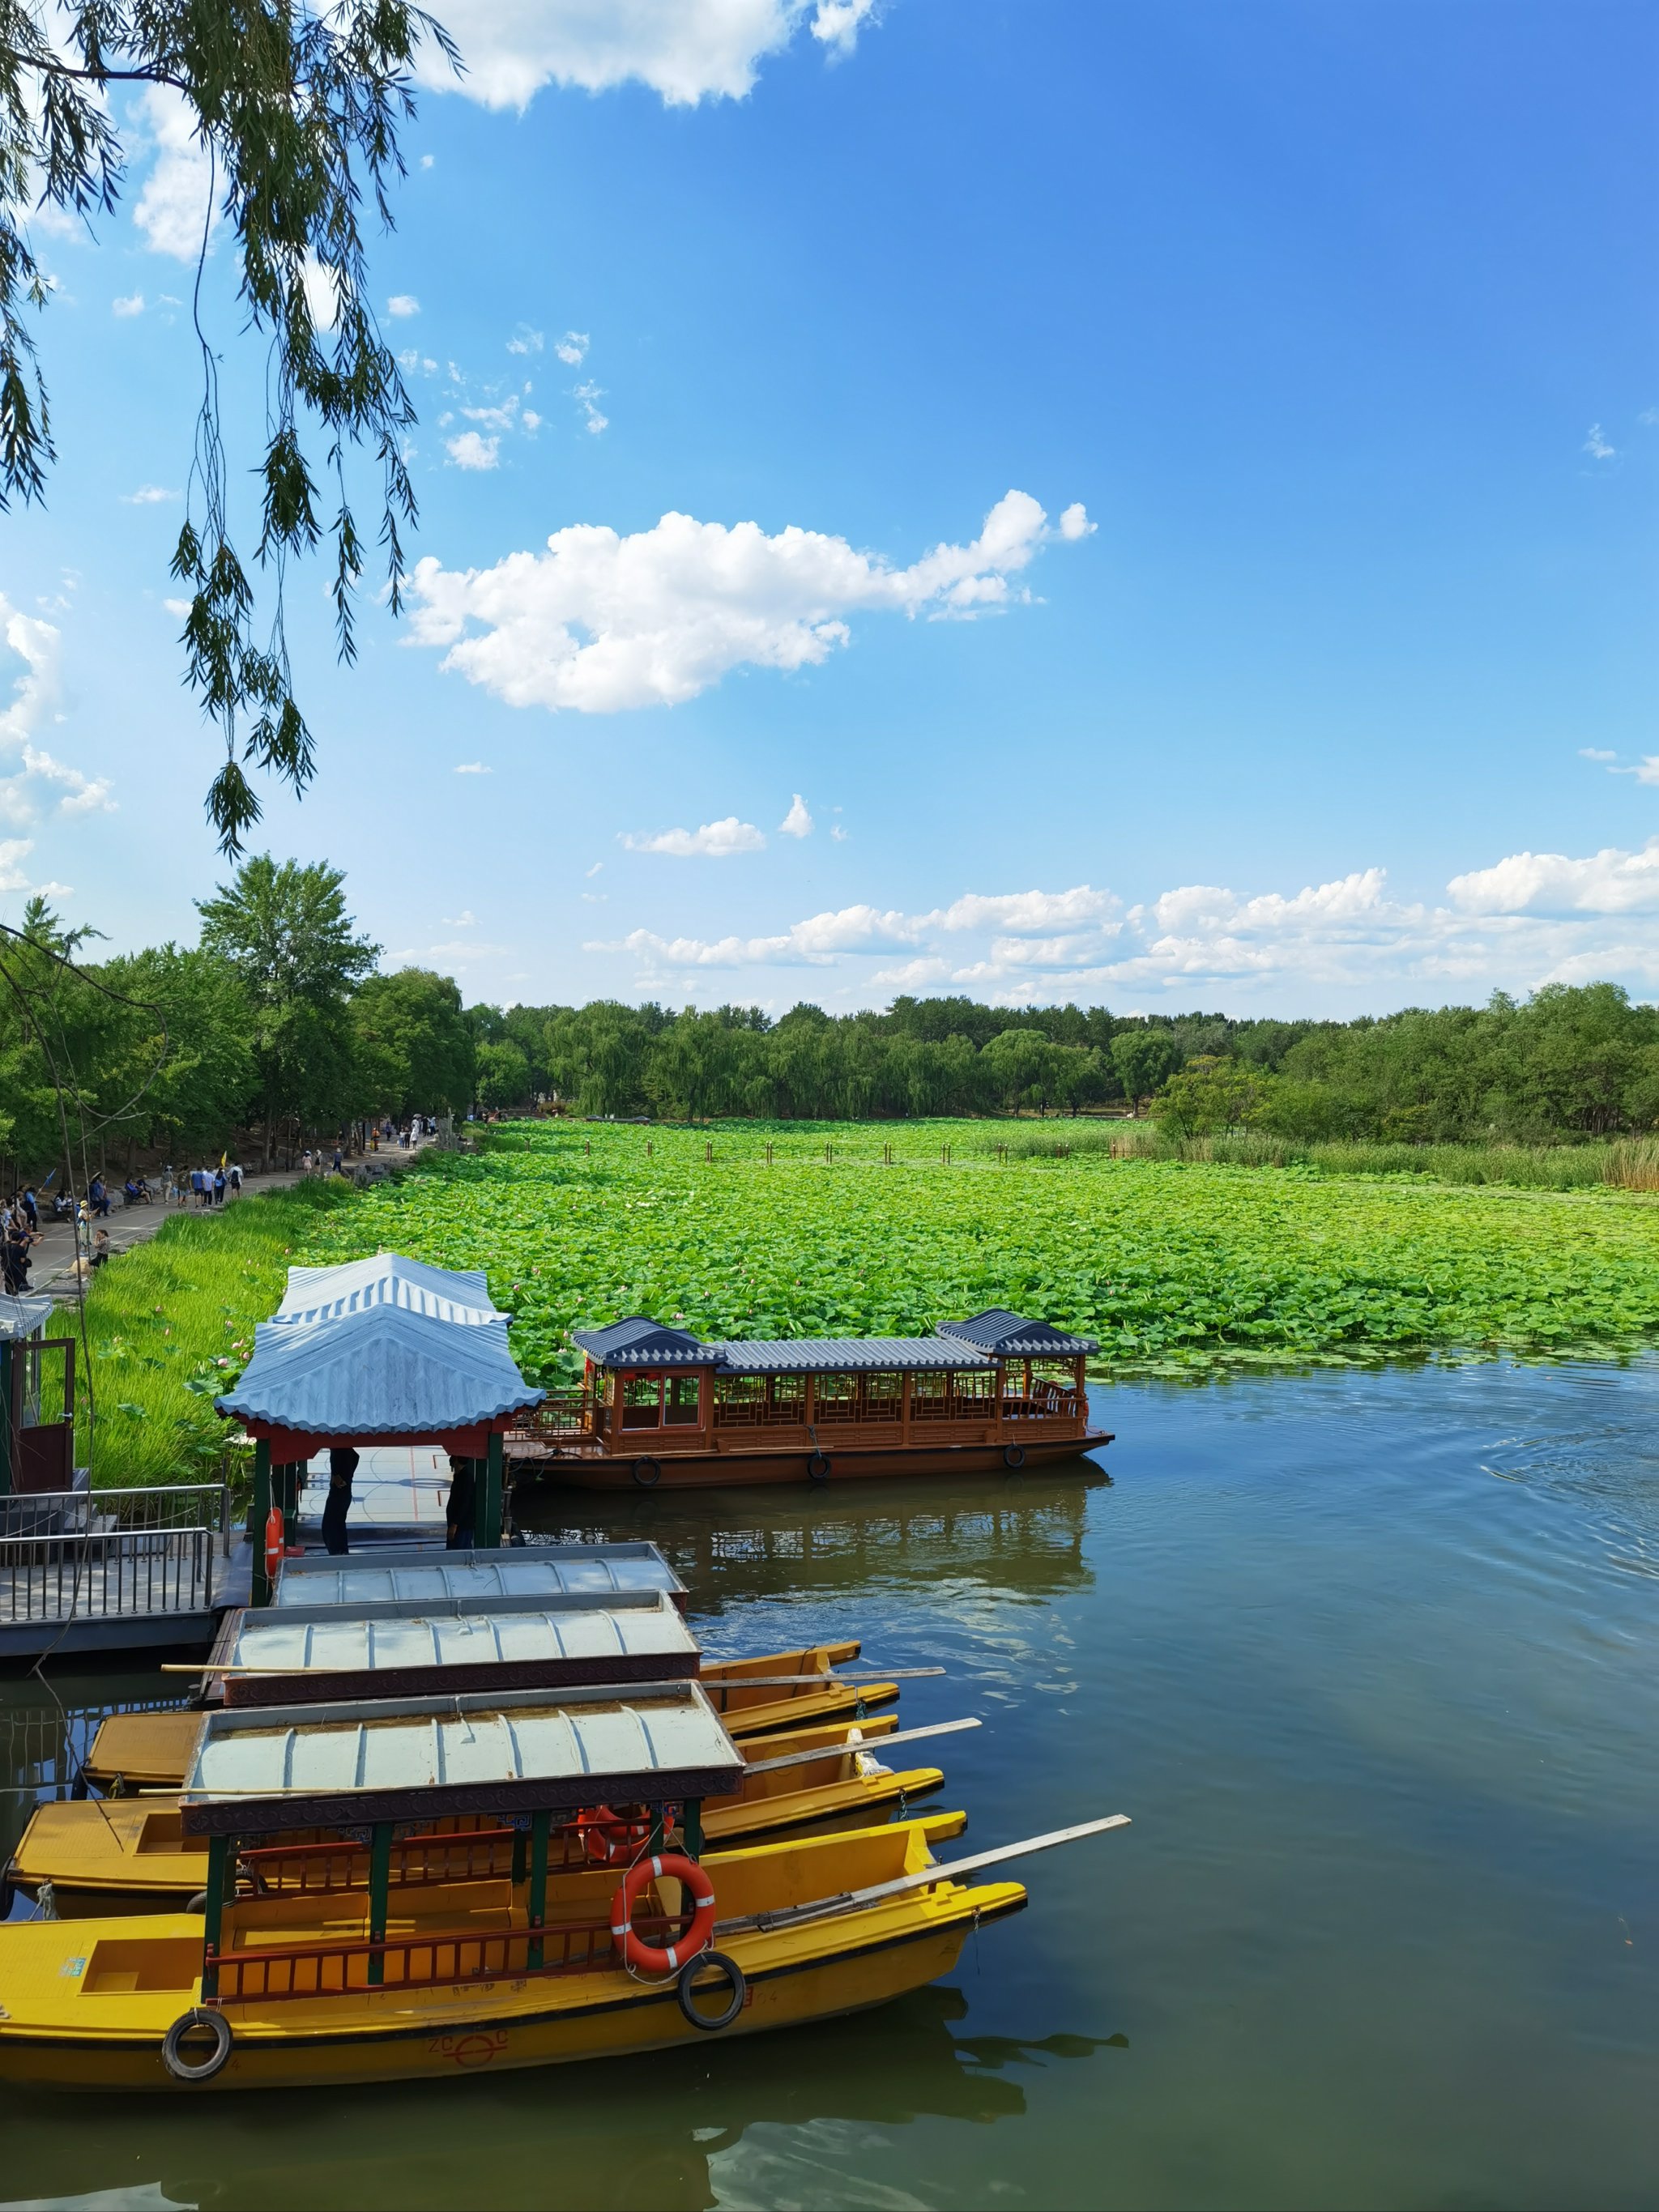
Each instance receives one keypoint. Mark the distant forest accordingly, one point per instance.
(1568, 1062)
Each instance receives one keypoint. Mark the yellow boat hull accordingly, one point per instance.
(85, 2005)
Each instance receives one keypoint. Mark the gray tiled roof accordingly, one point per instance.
(809, 1354)
(1007, 1335)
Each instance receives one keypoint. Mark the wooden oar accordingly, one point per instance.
(742, 1681)
(851, 1900)
(875, 1743)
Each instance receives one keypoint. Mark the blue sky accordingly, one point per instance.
(1303, 359)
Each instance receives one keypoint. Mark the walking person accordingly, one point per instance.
(99, 1196)
(342, 1463)
(235, 1179)
(219, 1184)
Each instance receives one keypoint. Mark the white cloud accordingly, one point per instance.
(1529, 919)
(1596, 753)
(14, 851)
(1646, 771)
(594, 869)
(525, 340)
(812, 942)
(797, 823)
(81, 794)
(495, 418)
(174, 205)
(133, 304)
(402, 305)
(587, 396)
(1597, 444)
(180, 607)
(599, 622)
(684, 50)
(715, 840)
(147, 495)
(324, 289)
(1074, 522)
(1027, 913)
(1607, 882)
(472, 767)
(34, 706)
(472, 450)
(572, 348)
(464, 920)
(837, 833)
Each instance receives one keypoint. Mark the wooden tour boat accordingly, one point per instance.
(657, 1405)
(132, 1854)
(439, 1959)
(778, 1690)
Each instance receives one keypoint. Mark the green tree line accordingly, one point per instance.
(278, 1026)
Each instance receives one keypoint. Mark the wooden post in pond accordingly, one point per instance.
(379, 1896)
(261, 1513)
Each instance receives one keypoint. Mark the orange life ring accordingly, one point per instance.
(608, 1840)
(273, 1542)
(648, 1958)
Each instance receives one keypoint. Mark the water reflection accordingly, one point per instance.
(571, 2137)
(1022, 1534)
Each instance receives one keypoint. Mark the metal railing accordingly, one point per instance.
(80, 1553)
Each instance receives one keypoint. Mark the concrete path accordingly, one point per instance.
(52, 1266)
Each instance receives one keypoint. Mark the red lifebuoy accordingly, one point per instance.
(668, 1958)
(608, 1840)
(273, 1542)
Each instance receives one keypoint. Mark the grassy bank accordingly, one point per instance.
(171, 1322)
(1179, 1266)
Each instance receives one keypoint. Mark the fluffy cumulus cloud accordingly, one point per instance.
(1528, 920)
(600, 622)
(797, 823)
(685, 50)
(33, 780)
(715, 840)
(176, 201)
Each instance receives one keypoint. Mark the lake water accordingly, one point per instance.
(1370, 1660)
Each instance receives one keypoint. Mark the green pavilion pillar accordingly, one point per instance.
(261, 1510)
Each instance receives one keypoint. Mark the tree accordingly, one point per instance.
(1143, 1060)
(298, 109)
(503, 1077)
(286, 931)
(414, 1049)
(1210, 1096)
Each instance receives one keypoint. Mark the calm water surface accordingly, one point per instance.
(1371, 1662)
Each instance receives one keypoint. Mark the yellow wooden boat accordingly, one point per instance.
(153, 1750)
(131, 1855)
(445, 1972)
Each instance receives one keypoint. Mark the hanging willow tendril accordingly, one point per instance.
(298, 109)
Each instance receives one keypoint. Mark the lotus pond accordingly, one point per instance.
(1179, 1268)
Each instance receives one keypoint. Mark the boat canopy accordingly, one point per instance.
(419, 1759)
(518, 1642)
(642, 1344)
(474, 1581)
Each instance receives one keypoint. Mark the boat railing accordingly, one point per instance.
(336, 1863)
(112, 1553)
(561, 1414)
(432, 1959)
